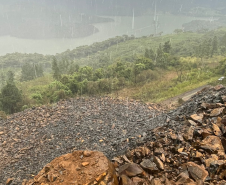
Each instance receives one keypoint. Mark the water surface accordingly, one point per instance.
(143, 26)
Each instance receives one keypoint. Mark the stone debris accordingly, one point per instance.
(197, 158)
(174, 152)
(33, 138)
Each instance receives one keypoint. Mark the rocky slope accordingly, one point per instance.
(189, 153)
(184, 146)
(31, 139)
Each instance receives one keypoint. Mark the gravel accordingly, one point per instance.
(34, 137)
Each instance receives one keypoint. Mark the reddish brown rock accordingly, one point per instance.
(192, 123)
(207, 132)
(126, 180)
(74, 169)
(211, 159)
(156, 181)
(212, 144)
(131, 170)
(215, 167)
(197, 118)
(219, 87)
(217, 112)
(196, 172)
(184, 178)
(9, 181)
(223, 120)
(216, 130)
(139, 181)
(223, 98)
(159, 163)
(188, 135)
(149, 165)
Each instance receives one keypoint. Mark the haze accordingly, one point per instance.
(53, 26)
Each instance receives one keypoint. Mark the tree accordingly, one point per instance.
(167, 47)
(215, 46)
(10, 98)
(149, 53)
(10, 77)
(160, 59)
(39, 70)
(138, 67)
(98, 74)
(31, 71)
(55, 69)
(223, 40)
(2, 79)
(28, 72)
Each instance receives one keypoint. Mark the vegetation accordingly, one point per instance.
(147, 68)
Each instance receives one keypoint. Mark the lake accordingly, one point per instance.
(143, 26)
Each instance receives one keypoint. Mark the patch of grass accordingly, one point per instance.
(166, 87)
(35, 86)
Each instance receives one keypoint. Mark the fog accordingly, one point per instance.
(27, 25)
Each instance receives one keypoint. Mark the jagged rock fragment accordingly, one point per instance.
(210, 160)
(197, 118)
(217, 112)
(184, 178)
(9, 181)
(149, 165)
(139, 181)
(126, 180)
(156, 181)
(213, 145)
(131, 170)
(196, 172)
(158, 163)
(188, 135)
(215, 167)
(219, 87)
(216, 130)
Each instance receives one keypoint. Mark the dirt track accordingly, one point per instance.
(173, 102)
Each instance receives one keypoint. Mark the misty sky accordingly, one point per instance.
(103, 7)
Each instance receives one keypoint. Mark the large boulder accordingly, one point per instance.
(79, 167)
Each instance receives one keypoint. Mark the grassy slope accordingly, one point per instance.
(162, 89)
(154, 91)
(126, 50)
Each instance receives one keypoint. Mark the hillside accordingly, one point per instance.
(126, 67)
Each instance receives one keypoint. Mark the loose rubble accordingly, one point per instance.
(33, 138)
(183, 146)
(192, 153)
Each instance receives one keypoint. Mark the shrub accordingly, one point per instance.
(3, 115)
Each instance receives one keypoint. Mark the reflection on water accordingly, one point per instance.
(143, 26)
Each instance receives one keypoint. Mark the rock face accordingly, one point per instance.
(79, 167)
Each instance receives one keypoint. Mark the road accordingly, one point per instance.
(173, 102)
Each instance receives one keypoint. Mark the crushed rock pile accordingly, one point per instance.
(184, 146)
(31, 139)
(191, 154)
